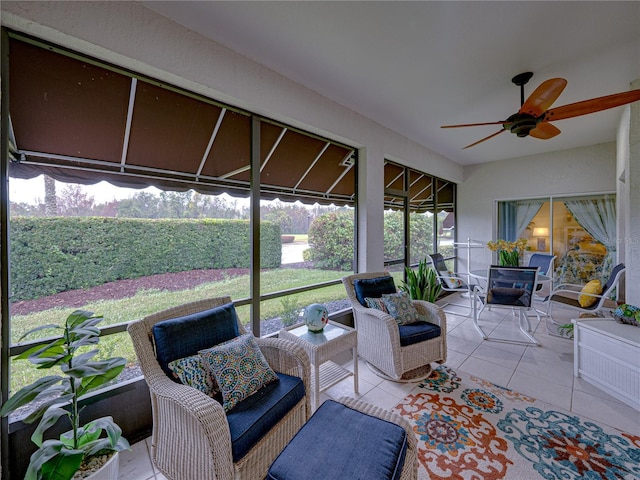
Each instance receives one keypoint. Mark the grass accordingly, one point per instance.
(145, 302)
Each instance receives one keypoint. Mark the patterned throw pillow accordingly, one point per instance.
(400, 307)
(192, 371)
(376, 303)
(239, 367)
(451, 280)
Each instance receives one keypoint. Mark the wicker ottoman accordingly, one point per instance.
(349, 440)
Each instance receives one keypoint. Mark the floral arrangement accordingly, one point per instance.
(508, 252)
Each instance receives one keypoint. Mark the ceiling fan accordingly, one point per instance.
(533, 117)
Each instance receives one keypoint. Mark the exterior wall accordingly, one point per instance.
(129, 35)
(581, 170)
(632, 215)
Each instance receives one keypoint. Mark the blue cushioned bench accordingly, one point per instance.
(341, 442)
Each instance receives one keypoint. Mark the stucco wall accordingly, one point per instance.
(581, 170)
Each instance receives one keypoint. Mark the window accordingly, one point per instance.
(144, 196)
(579, 230)
(419, 216)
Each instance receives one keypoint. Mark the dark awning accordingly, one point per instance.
(80, 120)
(426, 193)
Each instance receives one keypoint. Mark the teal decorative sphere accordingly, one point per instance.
(316, 316)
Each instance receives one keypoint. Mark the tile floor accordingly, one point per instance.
(545, 373)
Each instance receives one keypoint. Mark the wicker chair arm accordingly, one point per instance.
(382, 323)
(434, 313)
(286, 357)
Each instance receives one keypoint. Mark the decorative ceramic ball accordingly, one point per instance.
(316, 316)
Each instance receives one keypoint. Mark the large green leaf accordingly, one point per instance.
(42, 407)
(109, 369)
(54, 461)
(49, 419)
(29, 393)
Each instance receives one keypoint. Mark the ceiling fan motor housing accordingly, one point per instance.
(521, 124)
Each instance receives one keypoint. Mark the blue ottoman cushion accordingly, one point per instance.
(252, 418)
(373, 288)
(340, 443)
(184, 336)
(417, 332)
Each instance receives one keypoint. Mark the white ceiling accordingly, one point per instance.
(413, 66)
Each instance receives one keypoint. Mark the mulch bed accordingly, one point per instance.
(126, 288)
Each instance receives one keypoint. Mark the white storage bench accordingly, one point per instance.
(607, 355)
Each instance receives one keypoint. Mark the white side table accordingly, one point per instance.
(607, 355)
(321, 348)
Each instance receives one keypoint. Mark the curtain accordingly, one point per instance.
(514, 217)
(598, 218)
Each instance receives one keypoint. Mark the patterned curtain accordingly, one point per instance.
(598, 218)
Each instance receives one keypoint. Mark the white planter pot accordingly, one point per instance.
(109, 471)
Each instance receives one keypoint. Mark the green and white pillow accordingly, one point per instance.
(191, 371)
(239, 368)
(400, 307)
(451, 280)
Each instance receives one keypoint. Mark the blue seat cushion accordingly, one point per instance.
(340, 443)
(417, 332)
(184, 336)
(252, 418)
(373, 287)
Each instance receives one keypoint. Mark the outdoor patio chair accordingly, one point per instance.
(510, 288)
(401, 353)
(568, 295)
(194, 437)
(451, 281)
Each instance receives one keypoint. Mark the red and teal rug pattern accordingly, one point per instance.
(471, 429)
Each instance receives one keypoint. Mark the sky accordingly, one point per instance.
(32, 191)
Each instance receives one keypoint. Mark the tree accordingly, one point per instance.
(74, 202)
(50, 200)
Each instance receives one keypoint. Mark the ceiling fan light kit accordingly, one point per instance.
(534, 115)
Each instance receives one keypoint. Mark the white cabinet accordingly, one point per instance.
(607, 355)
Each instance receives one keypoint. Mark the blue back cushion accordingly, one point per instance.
(373, 287)
(184, 336)
(339, 443)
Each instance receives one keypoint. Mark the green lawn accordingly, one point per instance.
(146, 302)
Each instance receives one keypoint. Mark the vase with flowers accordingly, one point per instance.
(508, 252)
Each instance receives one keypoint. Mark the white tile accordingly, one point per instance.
(344, 388)
(610, 412)
(486, 370)
(398, 389)
(541, 389)
(462, 346)
(494, 353)
(455, 359)
(136, 464)
(382, 398)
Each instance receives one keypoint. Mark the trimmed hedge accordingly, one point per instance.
(57, 254)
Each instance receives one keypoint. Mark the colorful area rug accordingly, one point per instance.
(468, 428)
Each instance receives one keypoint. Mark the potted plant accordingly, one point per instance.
(422, 284)
(57, 396)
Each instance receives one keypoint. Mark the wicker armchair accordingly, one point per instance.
(379, 338)
(191, 438)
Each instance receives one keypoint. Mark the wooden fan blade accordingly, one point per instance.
(543, 97)
(544, 131)
(484, 139)
(473, 124)
(594, 105)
